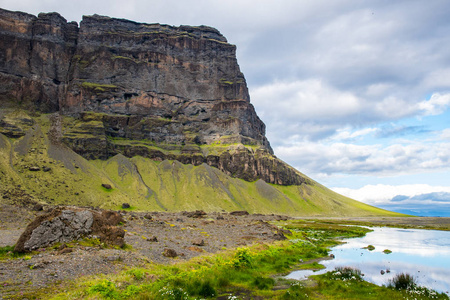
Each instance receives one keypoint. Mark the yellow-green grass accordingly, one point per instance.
(254, 272)
(152, 185)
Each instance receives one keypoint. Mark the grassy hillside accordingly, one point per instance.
(35, 170)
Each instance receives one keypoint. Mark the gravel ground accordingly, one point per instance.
(149, 234)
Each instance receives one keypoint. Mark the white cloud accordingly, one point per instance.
(306, 100)
(316, 159)
(347, 134)
(445, 134)
(436, 105)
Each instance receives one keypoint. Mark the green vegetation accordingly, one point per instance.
(402, 281)
(147, 184)
(8, 252)
(248, 272)
(370, 247)
(97, 87)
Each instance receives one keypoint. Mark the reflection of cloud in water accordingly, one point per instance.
(425, 254)
(417, 242)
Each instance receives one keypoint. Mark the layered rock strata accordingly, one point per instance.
(148, 85)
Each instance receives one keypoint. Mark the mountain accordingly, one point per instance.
(115, 111)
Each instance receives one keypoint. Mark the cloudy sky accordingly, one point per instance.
(355, 94)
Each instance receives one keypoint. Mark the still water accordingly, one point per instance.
(425, 254)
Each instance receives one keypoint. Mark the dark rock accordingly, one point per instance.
(125, 205)
(112, 258)
(169, 253)
(65, 225)
(279, 236)
(382, 272)
(194, 214)
(198, 242)
(153, 239)
(46, 169)
(107, 186)
(284, 231)
(196, 249)
(38, 207)
(34, 169)
(332, 256)
(239, 213)
(65, 251)
(148, 217)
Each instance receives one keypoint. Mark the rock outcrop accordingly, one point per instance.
(66, 225)
(130, 88)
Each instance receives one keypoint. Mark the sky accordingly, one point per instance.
(355, 94)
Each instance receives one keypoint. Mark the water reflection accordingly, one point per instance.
(422, 253)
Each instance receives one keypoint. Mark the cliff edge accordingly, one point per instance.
(115, 86)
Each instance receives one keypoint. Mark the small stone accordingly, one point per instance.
(113, 258)
(148, 217)
(169, 253)
(65, 251)
(279, 236)
(34, 169)
(198, 242)
(332, 256)
(194, 214)
(46, 169)
(38, 207)
(382, 272)
(196, 249)
(125, 205)
(239, 213)
(107, 186)
(153, 239)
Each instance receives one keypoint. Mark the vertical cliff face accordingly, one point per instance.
(34, 58)
(154, 90)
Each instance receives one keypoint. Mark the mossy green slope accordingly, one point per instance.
(64, 177)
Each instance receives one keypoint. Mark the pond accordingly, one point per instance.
(425, 254)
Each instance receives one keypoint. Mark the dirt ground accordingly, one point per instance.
(148, 234)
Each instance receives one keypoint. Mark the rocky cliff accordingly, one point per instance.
(115, 86)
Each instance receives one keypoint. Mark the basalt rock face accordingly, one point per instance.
(136, 89)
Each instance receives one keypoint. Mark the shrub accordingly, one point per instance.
(402, 281)
(243, 258)
(207, 289)
(347, 273)
(295, 291)
(138, 274)
(263, 283)
(105, 288)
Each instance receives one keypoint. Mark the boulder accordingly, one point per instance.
(198, 242)
(239, 213)
(169, 253)
(194, 214)
(68, 224)
(107, 186)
